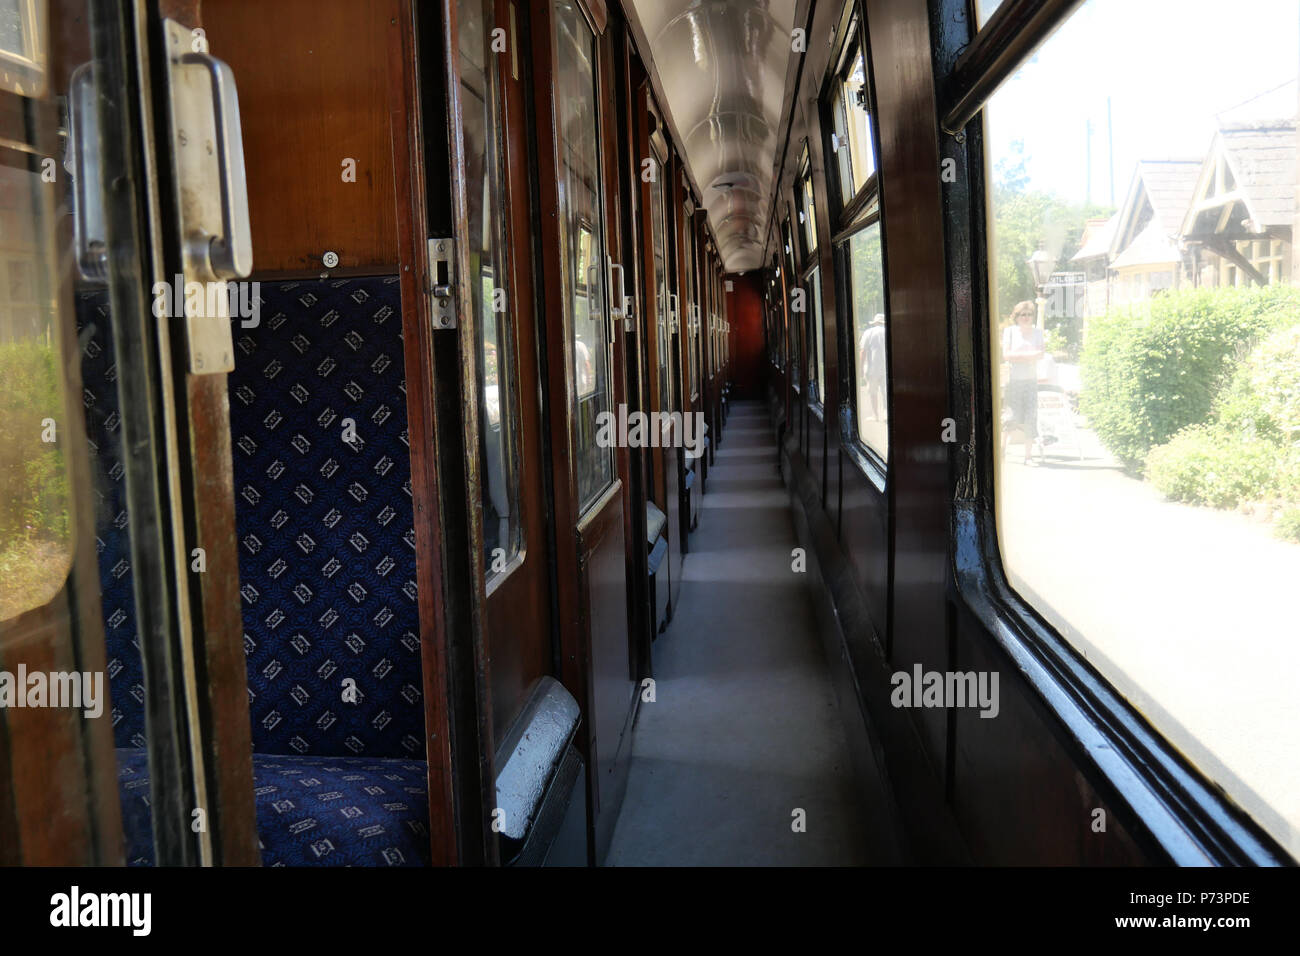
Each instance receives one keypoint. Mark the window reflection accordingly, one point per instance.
(659, 229)
(871, 370)
(817, 361)
(22, 46)
(582, 243)
(855, 151)
(487, 248)
(35, 506)
(807, 211)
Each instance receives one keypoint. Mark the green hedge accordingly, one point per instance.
(1251, 450)
(1288, 526)
(1217, 466)
(1150, 371)
(33, 482)
(1263, 399)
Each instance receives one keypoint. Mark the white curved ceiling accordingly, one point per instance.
(722, 66)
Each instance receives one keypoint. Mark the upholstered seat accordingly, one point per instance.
(327, 575)
(323, 811)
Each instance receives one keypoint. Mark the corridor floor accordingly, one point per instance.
(744, 731)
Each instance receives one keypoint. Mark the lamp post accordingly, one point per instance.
(1041, 265)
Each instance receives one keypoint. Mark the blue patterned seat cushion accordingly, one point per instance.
(327, 574)
(325, 527)
(112, 534)
(325, 524)
(312, 811)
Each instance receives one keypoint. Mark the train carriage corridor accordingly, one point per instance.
(650, 433)
(744, 732)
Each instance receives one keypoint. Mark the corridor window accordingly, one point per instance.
(1145, 343)
(794, 321)
(817, 361)
(870, 368)
(858, 252)
(807, 210)
(854, 148)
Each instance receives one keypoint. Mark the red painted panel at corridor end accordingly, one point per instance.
(1142, 271)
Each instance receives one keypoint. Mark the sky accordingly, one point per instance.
(1169, 66)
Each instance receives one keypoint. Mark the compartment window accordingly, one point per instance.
(582, 234)
(486, 237)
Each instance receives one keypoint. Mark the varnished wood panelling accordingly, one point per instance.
(918, 372)
(312, 79)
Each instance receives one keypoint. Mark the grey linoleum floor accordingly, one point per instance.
(744, 730)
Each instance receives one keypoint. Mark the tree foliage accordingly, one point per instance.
(1024, 221)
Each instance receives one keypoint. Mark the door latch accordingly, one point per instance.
(618, 291)
(442, 269)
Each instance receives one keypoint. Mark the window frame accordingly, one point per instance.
(586, 504)
(1183, 816)
(847, 218)
(794, 342)
(806, 209)
(810, 281)
(509, 419)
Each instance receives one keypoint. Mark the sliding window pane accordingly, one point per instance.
(485, 237)
(817, 370)
(582, 234)
(808, 214)
(861, 147)
(659, 232)
(871, 370)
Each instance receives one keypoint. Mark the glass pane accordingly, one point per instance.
(582, 236)
(794, 321)
(659, 233)
(62, 497)
(35, 499)
(862, 150)
(809, 214)
(870, 370)
(692, 335)
(23, 39)
(984, 9)
(817, 373)
(485, 236)
(843, 161)
(1146, 345)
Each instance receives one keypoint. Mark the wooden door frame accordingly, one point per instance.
(641, 612)
(579, 533)
(424, 108)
